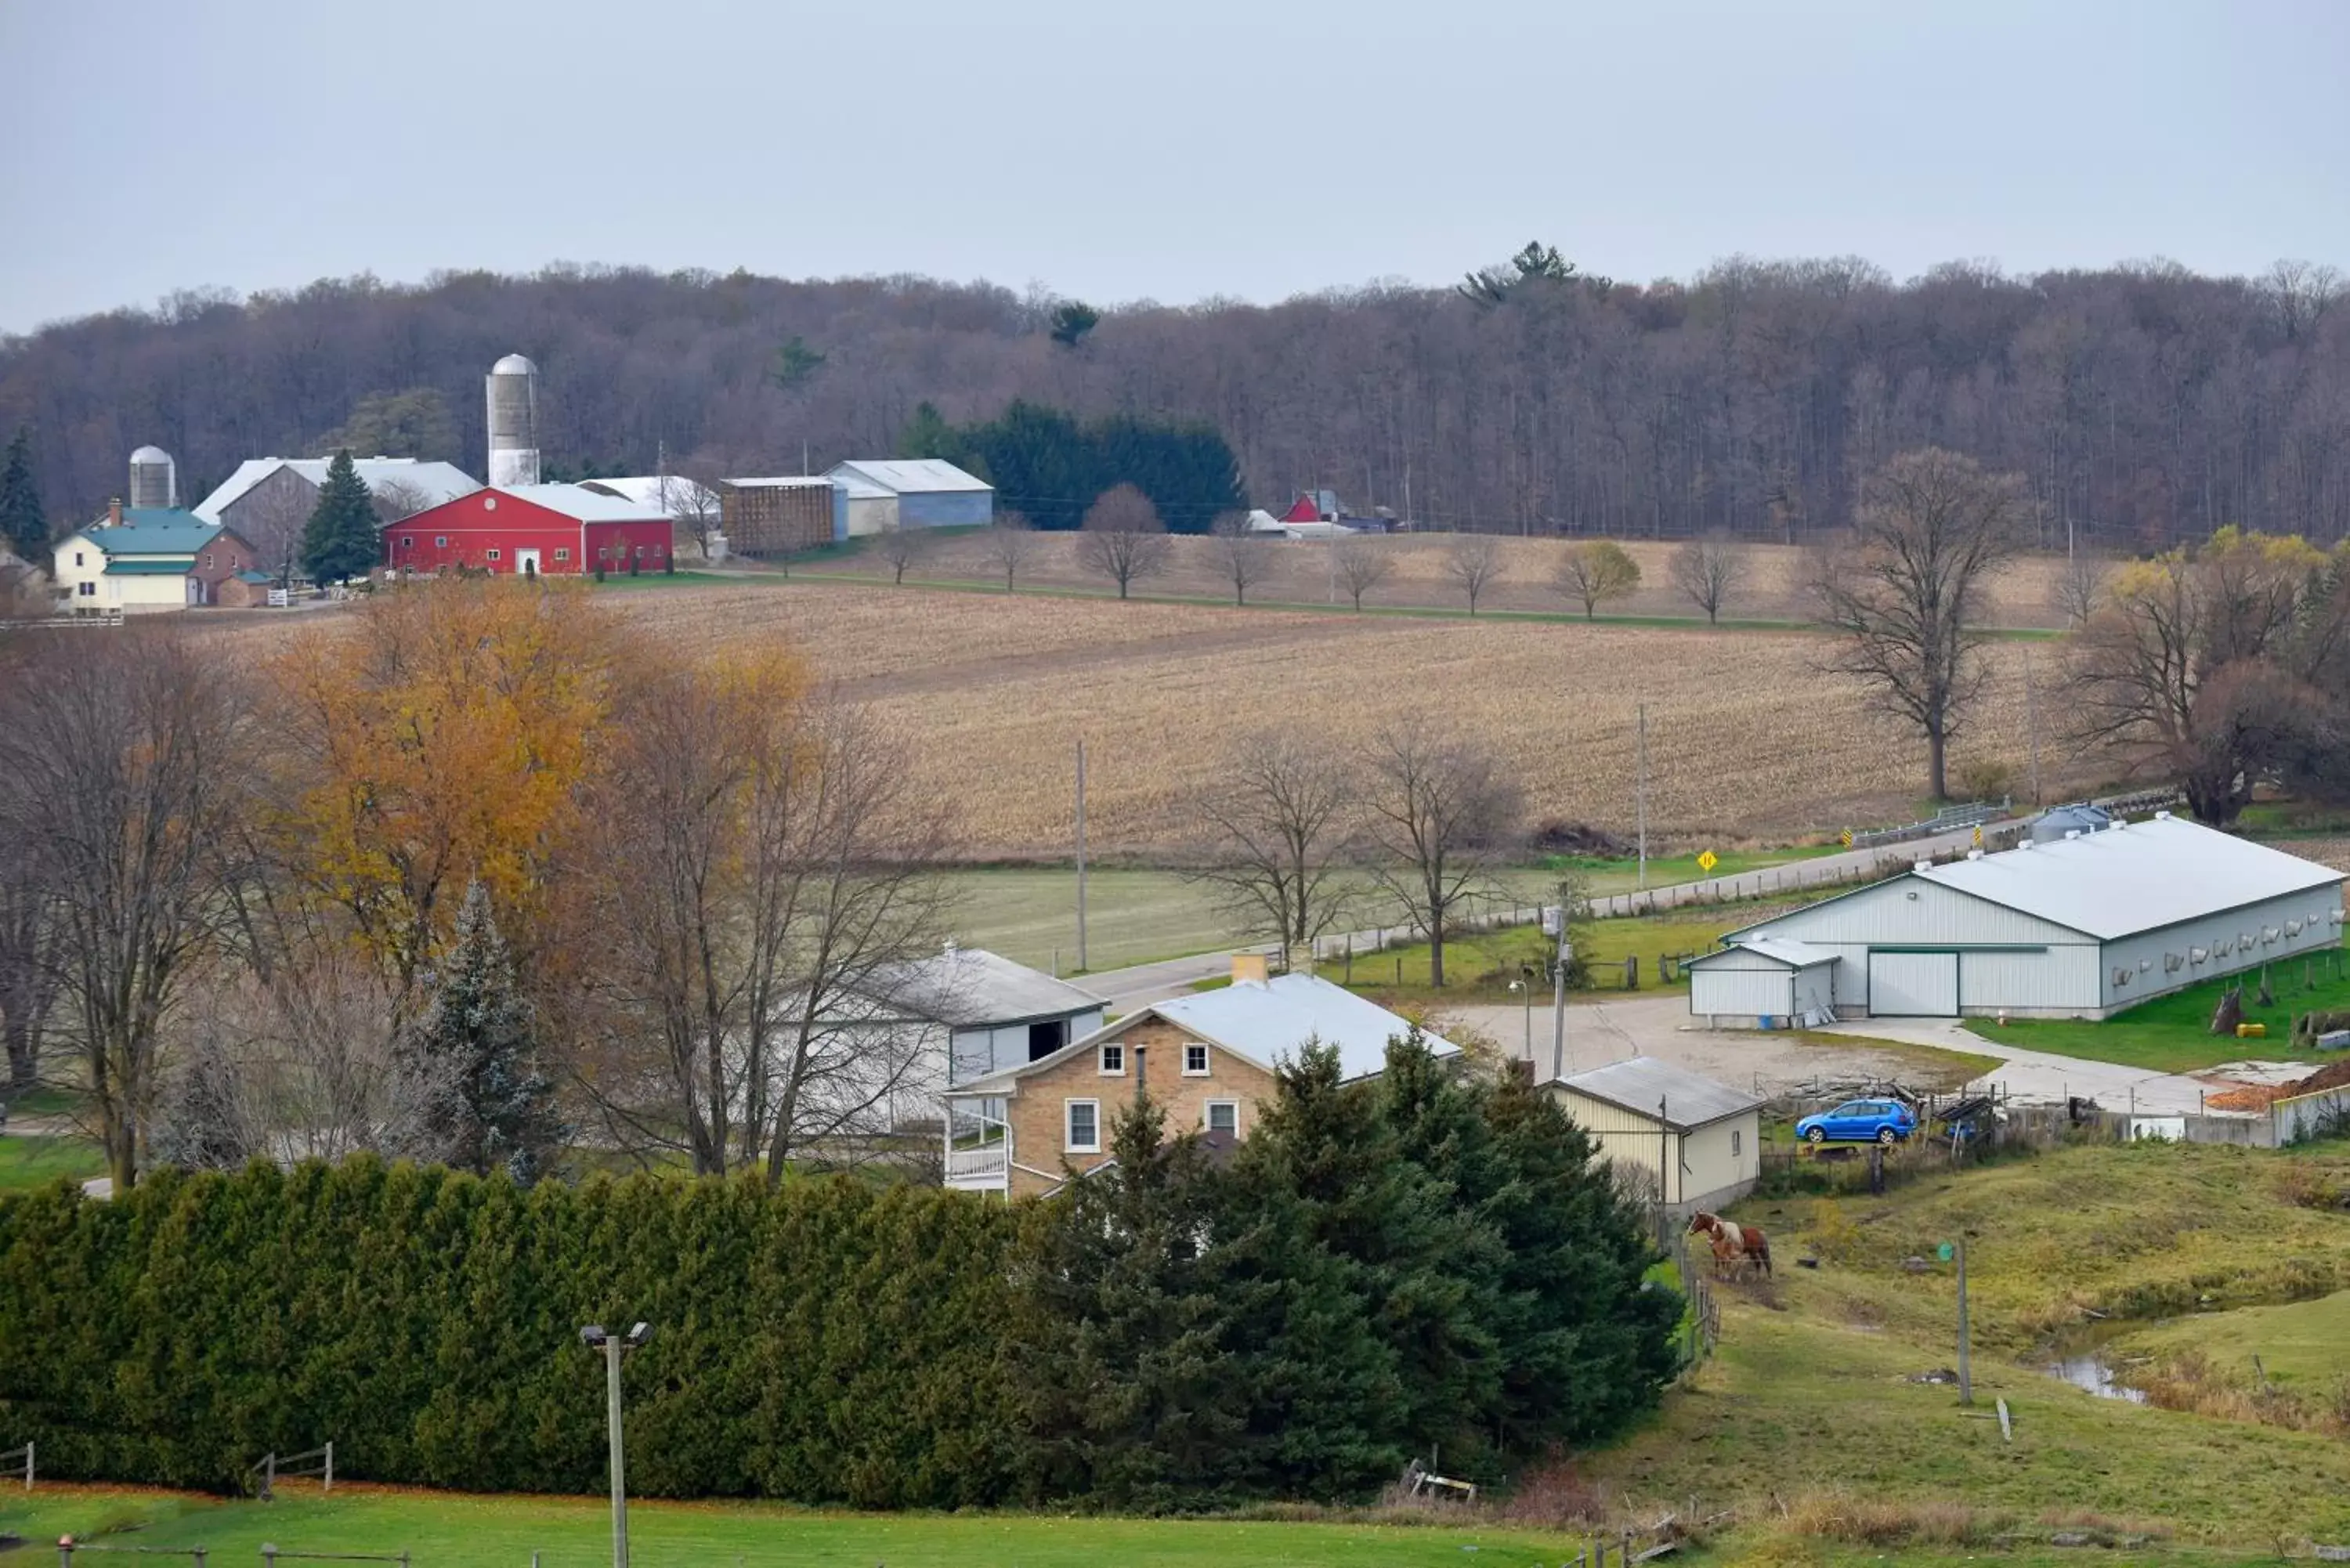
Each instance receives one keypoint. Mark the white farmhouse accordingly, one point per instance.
(2080, 927)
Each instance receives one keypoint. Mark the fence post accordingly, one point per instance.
(28, 1466)
(64, 1552)
(269, 1554)
(330, 1468)
(198, 1552)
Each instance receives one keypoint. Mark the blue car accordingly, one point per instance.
(1859, 1121)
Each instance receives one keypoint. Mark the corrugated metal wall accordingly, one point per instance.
(2313, 910)
(946, 509)
(1720, 990)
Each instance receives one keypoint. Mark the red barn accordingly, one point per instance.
(556, 530)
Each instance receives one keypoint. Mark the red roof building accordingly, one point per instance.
(550, 530)
(1306, 508)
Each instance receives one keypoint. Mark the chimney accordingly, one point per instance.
(1249, 969)
(1141, 1074)
(114, 513)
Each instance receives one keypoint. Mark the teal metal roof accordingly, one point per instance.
(153, 531)
(255, 579)
(149, 567)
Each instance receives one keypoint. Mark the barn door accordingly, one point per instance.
(1913, 985)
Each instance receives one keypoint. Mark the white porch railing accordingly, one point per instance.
(970, 1164)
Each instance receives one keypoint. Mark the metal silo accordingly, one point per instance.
(154, 478)
(514, 421)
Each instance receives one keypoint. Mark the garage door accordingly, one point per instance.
(1913, 985)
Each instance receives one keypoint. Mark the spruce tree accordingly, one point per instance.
(339, 542)
(495, 1108)
(23, 528)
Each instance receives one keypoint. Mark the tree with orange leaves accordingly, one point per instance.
(443, 739)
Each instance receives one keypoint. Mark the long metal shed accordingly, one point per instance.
(1764, 981)
(2082, 927)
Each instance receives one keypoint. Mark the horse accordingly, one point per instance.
(1733, 1243)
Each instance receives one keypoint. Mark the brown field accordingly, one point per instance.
(1748, 741)
(2019, 597)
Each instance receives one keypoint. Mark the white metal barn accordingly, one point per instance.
(2081, 928)
(1764, 982)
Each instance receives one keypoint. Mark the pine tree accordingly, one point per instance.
(339, 542)
(496, 1107)
(23, 528)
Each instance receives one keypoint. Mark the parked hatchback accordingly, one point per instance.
(1859, 1121)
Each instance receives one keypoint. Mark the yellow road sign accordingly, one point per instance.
(1707, 861)
(1845, 838)
(1978, 836)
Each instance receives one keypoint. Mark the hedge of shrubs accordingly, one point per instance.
(1382, 1267)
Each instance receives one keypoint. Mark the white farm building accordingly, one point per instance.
(2082, 927)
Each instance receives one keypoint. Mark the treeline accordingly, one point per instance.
(1050, 468)
(1427, 1258)
(2143, 404)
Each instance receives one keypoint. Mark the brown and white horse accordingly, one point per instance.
(1733, 1243)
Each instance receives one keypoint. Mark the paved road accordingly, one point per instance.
(1126, 988)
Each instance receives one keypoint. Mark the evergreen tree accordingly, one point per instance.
(496, 1107)
(23, 527)
(339, 542)
(1130, 1383)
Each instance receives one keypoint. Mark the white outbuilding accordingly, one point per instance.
(2082, 927)
(1648, 1116)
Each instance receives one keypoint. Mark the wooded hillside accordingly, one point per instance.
(2144, 403)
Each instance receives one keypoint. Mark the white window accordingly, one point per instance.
(1084, 1127)
(90, 590)
(1735, 1136)
(77, 557)
(1113, 1059)
(563, 555)
(1224, 1117)
(496, 555)
(1195, 1060)
(440, 541)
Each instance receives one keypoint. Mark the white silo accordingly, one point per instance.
(154, 478)
(514, 421)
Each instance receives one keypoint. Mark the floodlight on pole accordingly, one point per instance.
(613, 1345)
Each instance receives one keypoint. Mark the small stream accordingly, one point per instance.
(2085, 1366)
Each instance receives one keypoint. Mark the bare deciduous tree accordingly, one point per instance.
(122, 766)
(1282, 822)
(694, 503)
(900, 549)
(1010, 545)
(1362, 564)
(1441, 816)
(272, 521)
(1904, 593)
(2079, 587)
(31, 937)
(1707, 570)
(1245, 559)
(1123, 538)
(1473, 563)
(773, 869)
(397, 498)
(1594, 572)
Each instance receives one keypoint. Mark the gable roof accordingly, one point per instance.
(437, 481)
(668, 492)
(582, 504)
(965, 986)
(2134, 877)
(904, 476)
(1783, 950)
(152, 531)
(1639, 1084)
(1264, 1021)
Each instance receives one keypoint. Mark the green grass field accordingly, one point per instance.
(35, 1161)
(2302, 1345)
(574, 1532)
(2172, 1033)
(1479, 967)
(1621, 874)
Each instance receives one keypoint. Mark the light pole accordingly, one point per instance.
(1520, 985)
(615, 1345)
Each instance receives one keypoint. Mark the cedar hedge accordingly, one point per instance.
(1422, 1258)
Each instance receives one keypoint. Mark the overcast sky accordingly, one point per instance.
(1116, 149)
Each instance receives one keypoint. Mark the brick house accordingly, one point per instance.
(1208, 1060)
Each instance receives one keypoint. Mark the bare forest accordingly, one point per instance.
(2142, 404)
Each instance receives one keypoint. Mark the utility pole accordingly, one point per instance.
(613, 1347)
(2031, 720)
(1641, 796)
(1082, 965)
(1966, 1372)
(1558, 999)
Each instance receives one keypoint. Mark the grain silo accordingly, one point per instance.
(514, 421)
(155, 479)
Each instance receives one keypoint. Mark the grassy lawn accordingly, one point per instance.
(1479, 967)
(35, 1161)
(2172, 1033)
(2301, 1345)
(574, 1532)
(1619, 874)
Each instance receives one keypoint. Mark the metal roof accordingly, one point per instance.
(151, 566)
(513, 365)
(153, 531)
(904, 476)
(151, 455)
(970, 986)
(673, 494)
(1638, 1084)
(1781, 949)
(583, 505)
(2134, 877)
(436, 482)
(782, 481)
